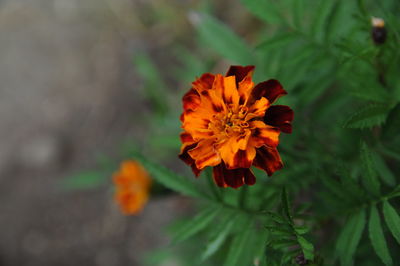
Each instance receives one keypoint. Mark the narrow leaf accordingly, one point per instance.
(263, 9)
(370, 177)
(222, 39)
(286, 206)
(349, 238)
(307, 247)
(169, 179)
(279, 41)
(391, 128)
(392, 220)
(238, 246)
(384, 172)
(198, 223)
(377, 238)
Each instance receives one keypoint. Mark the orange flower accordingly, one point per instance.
(132, 187)
(229, 124)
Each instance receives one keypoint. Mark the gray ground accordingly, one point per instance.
(67, 92)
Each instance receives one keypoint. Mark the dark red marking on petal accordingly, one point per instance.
(218, 175)
(240, 160)
(268, 159)
(270, 89)
(186, 137)
(240, 72)
(185, 157)
(217, 108)
(190, 100)
(280, 116)
(249, 177)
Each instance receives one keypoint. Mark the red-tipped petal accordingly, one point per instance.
(280, 116)
(270, 89)
(191, 100)
(240, 72)
(268, 159)
(185, 157)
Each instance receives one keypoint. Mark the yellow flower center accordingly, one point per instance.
(229, 123)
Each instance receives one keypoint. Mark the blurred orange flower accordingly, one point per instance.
(132, 187)
(229, 124)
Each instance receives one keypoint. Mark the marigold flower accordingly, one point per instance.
(132, 187)
(230, 125)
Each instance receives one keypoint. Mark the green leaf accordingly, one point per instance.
(377, 238)
(279, 41)
(285, 205)
(392, 220)
(370, 177)
(154, 84)
(301, 230)
(217, 242)
(367, 117)
(391, 128)
(195, 225)
(222, 39)
(85, 180)
(238, 246)
(169, 179)
(263, 9)
(383, 170)
(349, 238)
(307, 247)
(321, 14)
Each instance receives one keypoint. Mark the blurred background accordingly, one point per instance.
(70, 100)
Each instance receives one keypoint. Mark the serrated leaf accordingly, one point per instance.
(392, 220)
(222, 39)
(377, 238)
(217, 242)
(280, 230)
(195, 225)
(370, 177)
(349, 238)
(170, 179)
(367, 117)
(263, 9)
(283, 243)
(307, 248)
(238, 246)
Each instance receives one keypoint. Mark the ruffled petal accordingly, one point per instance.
(205, 82)
(204, 154)
(244, 88)
(263, 134)
(280, 116)
(232, 178)
(191, 100)
(226, 87)
(268, 159)
(240, 72)
(228, 149)
(270, 89)
(185, 157)
(258, 108)
(244, 158)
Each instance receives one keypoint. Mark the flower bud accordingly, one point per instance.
(378, 32)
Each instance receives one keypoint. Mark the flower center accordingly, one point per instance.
(232, 122)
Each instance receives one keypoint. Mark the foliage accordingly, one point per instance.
(342, 160)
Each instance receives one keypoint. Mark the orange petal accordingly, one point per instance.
(205, 82)
(244, 158)
(270, 89)
(184, 156)
(227, 149)
(268, 159)
(258, 108)
(240, 72)
(263, 134)
(245, 88)
(204, 154)
(226, 87)
(191, 100)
